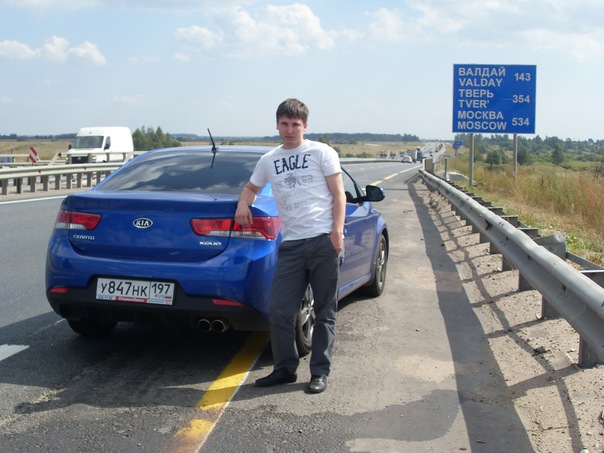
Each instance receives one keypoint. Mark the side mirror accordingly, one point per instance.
(350, 198)
(107, 143)
(374, 193)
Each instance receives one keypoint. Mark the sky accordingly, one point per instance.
(380, 66)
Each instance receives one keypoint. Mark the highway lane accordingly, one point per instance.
(394, 386)
(26, 226)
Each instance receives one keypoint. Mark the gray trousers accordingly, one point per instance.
(299, 263)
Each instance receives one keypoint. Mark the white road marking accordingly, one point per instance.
(7, 350)
(29, 200)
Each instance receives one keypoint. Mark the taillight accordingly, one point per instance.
(261, 228)
(227, 303)
(59, 290)
(70, 220)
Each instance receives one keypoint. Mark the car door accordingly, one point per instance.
(359, 238)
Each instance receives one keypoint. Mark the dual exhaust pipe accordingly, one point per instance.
(213, 325)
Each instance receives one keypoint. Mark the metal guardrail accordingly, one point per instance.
(55, 177)
(576, 295)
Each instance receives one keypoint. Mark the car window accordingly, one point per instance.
(184, 171)
(350, 186)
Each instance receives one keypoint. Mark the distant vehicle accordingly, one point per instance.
(101, 144)
(407, 160)
(156, 243)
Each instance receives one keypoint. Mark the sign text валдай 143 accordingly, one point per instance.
(495, 99)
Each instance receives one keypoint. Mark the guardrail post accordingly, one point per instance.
(587, 356)
(513, 220)
(497, 210)
(556, 245)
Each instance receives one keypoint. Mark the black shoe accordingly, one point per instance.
(317, 384)
(280, 376)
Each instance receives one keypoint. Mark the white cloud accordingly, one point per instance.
(56, 49)
(6, 100)
(581, 46)
(289, 30)
(199, 38)
(88, 53)
(574, 28)
(16, 50)
(182, 57)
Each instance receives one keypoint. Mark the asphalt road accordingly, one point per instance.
(412, 370)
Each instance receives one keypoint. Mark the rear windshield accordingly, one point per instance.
(184, 171)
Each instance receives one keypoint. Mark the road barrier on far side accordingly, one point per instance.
(576, 295)
(55, 177)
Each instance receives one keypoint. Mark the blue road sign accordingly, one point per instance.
(494, 99)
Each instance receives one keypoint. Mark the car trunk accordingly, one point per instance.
(150, 226)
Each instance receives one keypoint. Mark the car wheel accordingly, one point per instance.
(376, 286)
(305, 323)
(91, 327)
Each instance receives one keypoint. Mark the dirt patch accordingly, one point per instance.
(560, 403)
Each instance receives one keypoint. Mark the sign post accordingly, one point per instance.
(494, 99)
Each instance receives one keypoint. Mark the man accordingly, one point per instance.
(307, 185)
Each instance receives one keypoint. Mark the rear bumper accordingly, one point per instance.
(80, 303)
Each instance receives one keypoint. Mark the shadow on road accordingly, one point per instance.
(483, 395)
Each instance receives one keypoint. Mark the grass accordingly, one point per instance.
(549, 198)
(46, 148)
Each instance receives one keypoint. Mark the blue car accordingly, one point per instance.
(156, 242)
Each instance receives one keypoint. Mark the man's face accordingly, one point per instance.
(291, 131)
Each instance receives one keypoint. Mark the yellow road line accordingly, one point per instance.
(386, 178)
(215, 400)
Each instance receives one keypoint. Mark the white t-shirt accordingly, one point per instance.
(299, 187)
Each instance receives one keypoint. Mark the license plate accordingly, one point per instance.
(141, 291)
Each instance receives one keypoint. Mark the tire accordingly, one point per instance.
(91, 327)
(378, 280)
(305, 323)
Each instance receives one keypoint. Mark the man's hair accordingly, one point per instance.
(292, 108)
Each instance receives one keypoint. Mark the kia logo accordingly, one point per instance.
(142, 222)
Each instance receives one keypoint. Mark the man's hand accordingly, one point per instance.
(337, 240)
(243, 215)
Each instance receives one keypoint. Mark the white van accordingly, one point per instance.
(101, 144)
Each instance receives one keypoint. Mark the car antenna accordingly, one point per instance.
(214, 148)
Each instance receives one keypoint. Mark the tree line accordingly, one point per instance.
(145, 139)
(496, 149)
